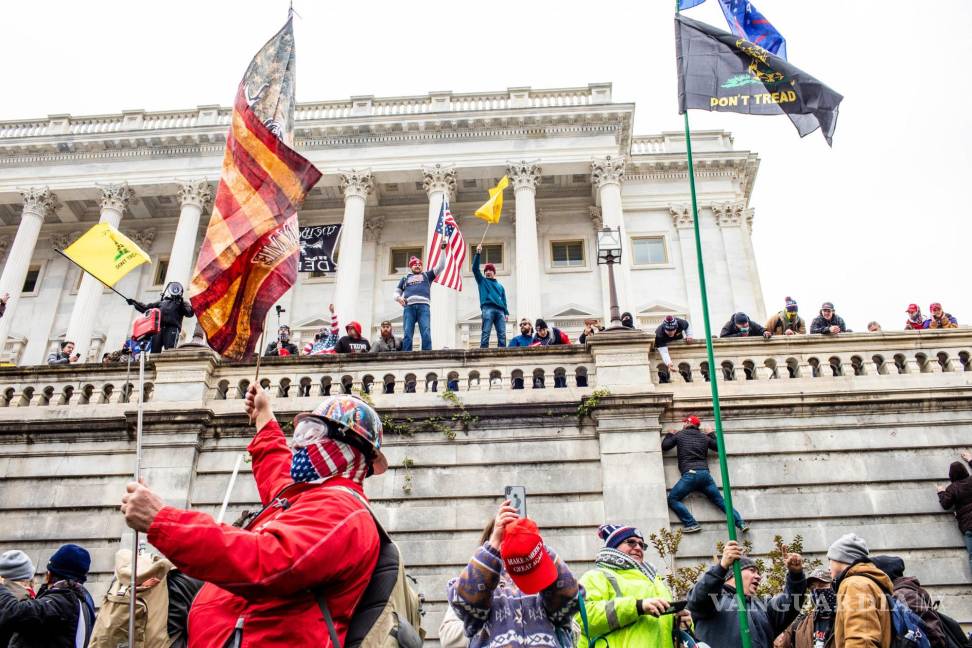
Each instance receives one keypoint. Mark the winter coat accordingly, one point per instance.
(947, 321)
(863, 617)
(325, 340)
(491, 291)
(716, 612)
(381, 345)
(662, 338)
(496, 614)
(20, 593)
(800, 633)
(616, 615)
(821, 326)
(49, 621)
(731, 330)
(958, 495)
(58, 358)
(416, 287)
(310, 536)
(273, 349)
(348, 344)
(522, 341)
(553, 337)
(693, 448)
(174, 309)
(779, 324)
(910, 592)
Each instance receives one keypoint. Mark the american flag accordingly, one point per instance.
(447, 230)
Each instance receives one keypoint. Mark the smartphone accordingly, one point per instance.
(517, 497)
(676, 606)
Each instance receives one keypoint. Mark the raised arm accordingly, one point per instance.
(26, 614)
(785, 606)
(477, 273)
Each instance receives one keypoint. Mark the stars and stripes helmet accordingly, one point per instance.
(354, 422)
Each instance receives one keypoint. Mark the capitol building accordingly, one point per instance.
(574, 165)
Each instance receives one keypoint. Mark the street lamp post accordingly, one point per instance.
(609, 253)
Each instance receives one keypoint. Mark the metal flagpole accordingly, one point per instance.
(138, 476)
(229, 489)
(714, 386)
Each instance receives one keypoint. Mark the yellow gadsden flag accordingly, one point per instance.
(493, 209)
(106, 254)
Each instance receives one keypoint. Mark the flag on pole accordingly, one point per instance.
(106, 254)
(688, 4)
(455, 251)
(745, 21)
(718, 71)
(249, 258)
(493, 208)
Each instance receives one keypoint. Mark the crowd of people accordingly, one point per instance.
(293, 573)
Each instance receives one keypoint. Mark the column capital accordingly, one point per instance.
(60, 240)
(117, 197)
(597, 221)
(195, 192)
(607, 170)
(729, 214)
(439, 177)
(373, 226)
(681, 215)
(357, 183)
(525, 175)
(40, 201)
(143, 238)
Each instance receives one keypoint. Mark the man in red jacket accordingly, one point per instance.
(313, 532)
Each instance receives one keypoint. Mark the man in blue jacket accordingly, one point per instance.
(414, 293)
(492, 301)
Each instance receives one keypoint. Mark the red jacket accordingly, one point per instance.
(320, 535)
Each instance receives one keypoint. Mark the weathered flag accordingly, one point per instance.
(718, 71)
(455, 251)
(249, 258)
(745, 21)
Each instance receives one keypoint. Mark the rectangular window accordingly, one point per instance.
(30, 281)
(567, 254)
(398, 259)
(161, 268)
(649, 250)
(492, 253)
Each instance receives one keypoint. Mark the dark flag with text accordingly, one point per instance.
(719, 71)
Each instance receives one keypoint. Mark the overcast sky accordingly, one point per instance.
(879, 221)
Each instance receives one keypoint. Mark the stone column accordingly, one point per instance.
(38, 204)
(375, 296)
(355, 185)
(440, 184)
(114, 200)
(682, 220)
(729, 218)
(607, 174)
(525, 176)
(193, 196)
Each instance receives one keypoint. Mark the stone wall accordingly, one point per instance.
(814, 454)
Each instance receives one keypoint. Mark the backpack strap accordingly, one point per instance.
(331, 630)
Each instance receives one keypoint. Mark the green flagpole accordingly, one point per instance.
(714, 386)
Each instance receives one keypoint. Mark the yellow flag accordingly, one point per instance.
(106, 254)
(493, 209)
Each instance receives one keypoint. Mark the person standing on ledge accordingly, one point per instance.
(492, 301)
(414, 293)
(174, 308)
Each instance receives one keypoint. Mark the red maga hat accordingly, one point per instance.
(692, 420)
(525, 557)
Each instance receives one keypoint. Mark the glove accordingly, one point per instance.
(131, 302)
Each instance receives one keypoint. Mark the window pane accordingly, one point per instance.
(649, 251)
(161, 268)
(568, 254)
(399, 259)
(492, 253)
(30, 281)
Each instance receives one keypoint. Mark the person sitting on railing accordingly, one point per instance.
(591, 328)
(525, 338)
(739, 325)
(672, 329)
(915, 321)
(828, 322)
(627, 320)
(325, 340)
(939, 318)
(547, 336)
(873, 327)
(353, 342)
(787, 321)
(386, 340)
(282, 346)
(65, 356)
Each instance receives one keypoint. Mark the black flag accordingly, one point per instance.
(718, 71)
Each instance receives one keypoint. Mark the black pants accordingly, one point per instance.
(167, 338)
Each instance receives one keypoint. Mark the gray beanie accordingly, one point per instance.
(745, 562)
(848, 548)
(16, 565)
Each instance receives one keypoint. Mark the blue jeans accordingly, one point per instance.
(493, 318)
(697, 481)
(968, 545)
(417, 313)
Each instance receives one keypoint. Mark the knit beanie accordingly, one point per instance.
(614, 535)
(848, 548)
(891, 565)
(489, 267)
(791, 305)
(957, 471)
(745, 562)
(71, 562)
(414, 261)
(540, 324)
(670, 324)
(16, 565)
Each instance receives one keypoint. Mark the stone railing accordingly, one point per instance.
(67, 385)
(799, 362)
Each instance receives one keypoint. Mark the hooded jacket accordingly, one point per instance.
(309, 536)
(615, 615)
(49, 621)
(779, 324)
(821, 326)
(716, 612)
(731, 330)
(863, 617)
(348, 344)
(958, 495)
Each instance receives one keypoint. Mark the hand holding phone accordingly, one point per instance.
(517, 497)
(676, 607)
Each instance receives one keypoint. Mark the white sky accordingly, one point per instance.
(875, 223)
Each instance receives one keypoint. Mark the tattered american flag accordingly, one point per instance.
(447, 230)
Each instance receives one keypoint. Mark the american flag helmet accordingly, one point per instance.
(354, 417)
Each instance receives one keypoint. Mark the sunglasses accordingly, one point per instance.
(634, 542)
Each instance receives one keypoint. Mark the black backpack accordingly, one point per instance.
(954, 636)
